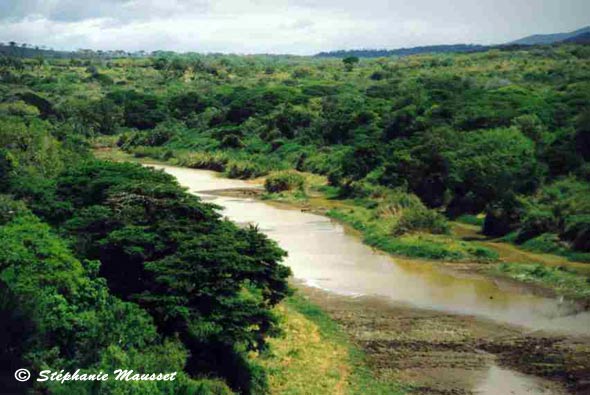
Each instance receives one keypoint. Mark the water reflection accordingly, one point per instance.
(323, 255)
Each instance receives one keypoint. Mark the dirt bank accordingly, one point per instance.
(507, 253)
(448, 354)
(440, 353)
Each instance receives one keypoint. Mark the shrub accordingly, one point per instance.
(561, 208)
(566, 281)
(471, 219)
(244, 169)
(415, 247)
(396, 202)
(215, 161)
(231, 141)
(421, 219)
(159, 153)
(10, 208)
(284, 181)
(546, 243)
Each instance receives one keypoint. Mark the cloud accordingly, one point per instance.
(279, 26)
(80, 10)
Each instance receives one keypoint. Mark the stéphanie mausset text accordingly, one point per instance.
(118, 375)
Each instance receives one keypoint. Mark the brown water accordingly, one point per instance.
(323, 255)
(503, 381)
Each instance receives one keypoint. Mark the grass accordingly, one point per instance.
(316, 357)
(375, 229)
(284, 181)
(232, 164)
(377, 233)
(564, 281)
(291, 197)
(476, 220)
(549, 243)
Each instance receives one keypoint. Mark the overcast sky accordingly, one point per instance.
(281, 26)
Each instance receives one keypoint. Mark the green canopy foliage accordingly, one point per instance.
(110, 264)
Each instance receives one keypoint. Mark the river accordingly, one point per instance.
(323, 255)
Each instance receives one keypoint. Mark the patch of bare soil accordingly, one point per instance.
(246, 193)
(442, 353)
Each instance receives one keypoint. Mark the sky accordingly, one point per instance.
(281, 26)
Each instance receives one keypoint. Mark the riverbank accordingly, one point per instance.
(545, 274)
(562, 359)
(464, 249)
(449, 354)
(316, 356)
(313, 354)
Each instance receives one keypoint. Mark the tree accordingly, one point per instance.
(184, 105)
(420, 164)
(6, 168)
(361, 160)
(561, 208)
(582, 137)
(140, 110)
(350, 62)
(488, 166)
(201, 278)
(103, 116)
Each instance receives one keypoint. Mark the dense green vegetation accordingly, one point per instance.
(360, 379)
(417, 232)
(497, 133)
(107, 263)
(563, 280)
(383, 53)
(110, 265)
(284, 181)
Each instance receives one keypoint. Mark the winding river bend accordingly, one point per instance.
(323, 255)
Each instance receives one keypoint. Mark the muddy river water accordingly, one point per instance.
(323, 255)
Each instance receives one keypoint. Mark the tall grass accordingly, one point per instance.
(564, 280)
(377, 233)
(284, 181)
(359, 378)
(202, 160)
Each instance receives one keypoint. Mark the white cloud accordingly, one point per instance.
(279, 26)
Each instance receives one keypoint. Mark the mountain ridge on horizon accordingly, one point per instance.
(540, 39)
(576, 36)
(579, 36)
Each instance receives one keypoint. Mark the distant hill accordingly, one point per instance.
(28, 51)
(580, 36)
(378, 53)
(583, 38)
(541, 39)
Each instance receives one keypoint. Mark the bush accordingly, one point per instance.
(565, 281)
(420, 219)
(550, 243)
(396, 202)
(10, 208)
(244, 169)
(547, 243)
(284, 181)
(415, 247)
(231, 141)
(215, 161)
(561, 208)
(158, 153)
(471, 219)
